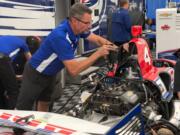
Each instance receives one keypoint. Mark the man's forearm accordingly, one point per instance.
(103, 41)
(98, 40)
(84, 64)
(79, 66)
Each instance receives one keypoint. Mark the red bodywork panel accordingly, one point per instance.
(148, 70)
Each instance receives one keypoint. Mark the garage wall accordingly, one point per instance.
(26, 17)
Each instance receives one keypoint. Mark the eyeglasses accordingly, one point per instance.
(89, 23)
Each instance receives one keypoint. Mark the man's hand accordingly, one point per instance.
(105, 49)
(126, 46)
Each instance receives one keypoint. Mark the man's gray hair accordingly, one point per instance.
(78, 10)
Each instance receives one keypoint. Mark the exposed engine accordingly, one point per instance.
(116, 99)
(118, 95)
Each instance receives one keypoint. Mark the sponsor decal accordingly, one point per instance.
(165, 14)
(165, 27)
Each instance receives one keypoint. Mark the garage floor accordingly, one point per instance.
(68, 92)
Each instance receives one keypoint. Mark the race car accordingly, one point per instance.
(130, 77)
(127, 80)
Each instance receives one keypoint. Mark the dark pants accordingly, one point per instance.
(35, 87)
(8, 85)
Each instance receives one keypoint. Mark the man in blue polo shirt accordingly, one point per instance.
(121, 24)
(57, 52)
(10, 47)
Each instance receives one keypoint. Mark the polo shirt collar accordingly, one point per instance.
(72, 36)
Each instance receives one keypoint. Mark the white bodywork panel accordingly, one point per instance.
(167, 29)
(56, 121)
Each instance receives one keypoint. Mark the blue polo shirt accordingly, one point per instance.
(58, 46)
(12, 45)
(121, 26)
